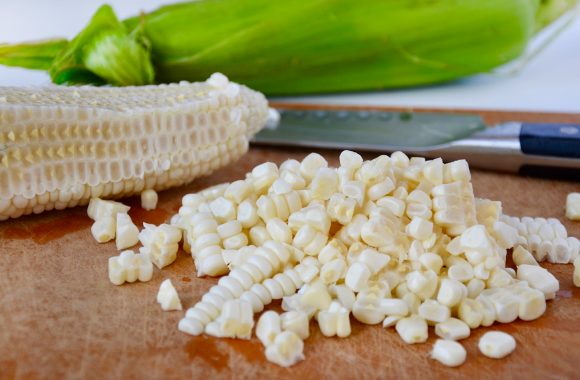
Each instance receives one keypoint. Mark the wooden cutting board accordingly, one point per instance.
(60, 317)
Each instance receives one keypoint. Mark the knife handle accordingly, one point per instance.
(558, 140)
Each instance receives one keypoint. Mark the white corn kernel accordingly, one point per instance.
(452, 329)
(130, 267)
(235, 242)
(223, 209)
(357, 277)
(149, 199)
(419, 228)
(423, 284)
(324, 184)
(332, 250)
(380, 189)
(311, 164)
(354, 190)
(259, 235)
(449, 353)
(539, 278)
(523, 256)
(333, 271)
(103, 230)
(350, 160)
(433, 171)
(506, 306)
(286, 350)
(433, 311)
(268, 327)
(334, 321)
(342, 294)
(376, 234)
(213, 265)
(127, 233)
(236, 319)
(496, 344)
(367, 312)
(400, 159)
(573, 206)
(167, 296)
(451, 292)
(316, 296)
(238, 191)
(412, 329)
(297, 322)
(391, 321)
(341, 208)
(474, 287)
(532, 304)
(192, 200)
(461, 272)
(470, 312)
(394, 306)
(98, 208)
(229, 229)
(161, 243)
(394, 205)
(190, 326)
(374, 260)
(488, 311)
(291, 165)
(263, 176)
(431, 261)
(279, 231)
(247, 214)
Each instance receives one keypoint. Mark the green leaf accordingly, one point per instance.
(33, 55)
(104, 52)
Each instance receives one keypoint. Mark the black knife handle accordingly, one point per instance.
(559, 140)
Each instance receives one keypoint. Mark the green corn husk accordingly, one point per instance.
(304, 46)
(35, 55)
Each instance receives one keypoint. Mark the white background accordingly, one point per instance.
(550, 82)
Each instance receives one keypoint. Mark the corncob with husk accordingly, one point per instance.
(299, 46)
(61, 146)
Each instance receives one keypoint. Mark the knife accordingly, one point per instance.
(525, 148)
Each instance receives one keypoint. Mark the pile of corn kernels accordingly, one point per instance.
(394, 240)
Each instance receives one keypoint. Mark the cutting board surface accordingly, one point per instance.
(60, 317)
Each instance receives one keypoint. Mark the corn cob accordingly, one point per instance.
(299, 46)
(60, 146)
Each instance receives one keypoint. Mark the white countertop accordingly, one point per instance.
(550, 82)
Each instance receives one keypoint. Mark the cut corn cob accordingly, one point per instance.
(61, 146)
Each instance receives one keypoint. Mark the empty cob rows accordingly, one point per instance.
(61, 146)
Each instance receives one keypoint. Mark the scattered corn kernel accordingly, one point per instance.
(412, 329)
(286, 350)
(496, 344)
(149, 199)
(167, 296)
(103, 230)
(452, 329)
(539, 278)
(268, 327)
(130, 267)
(449, 353)
(98, 208)
(127, 233)
(573, 206)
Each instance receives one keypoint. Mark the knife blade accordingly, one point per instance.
(510, 147)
